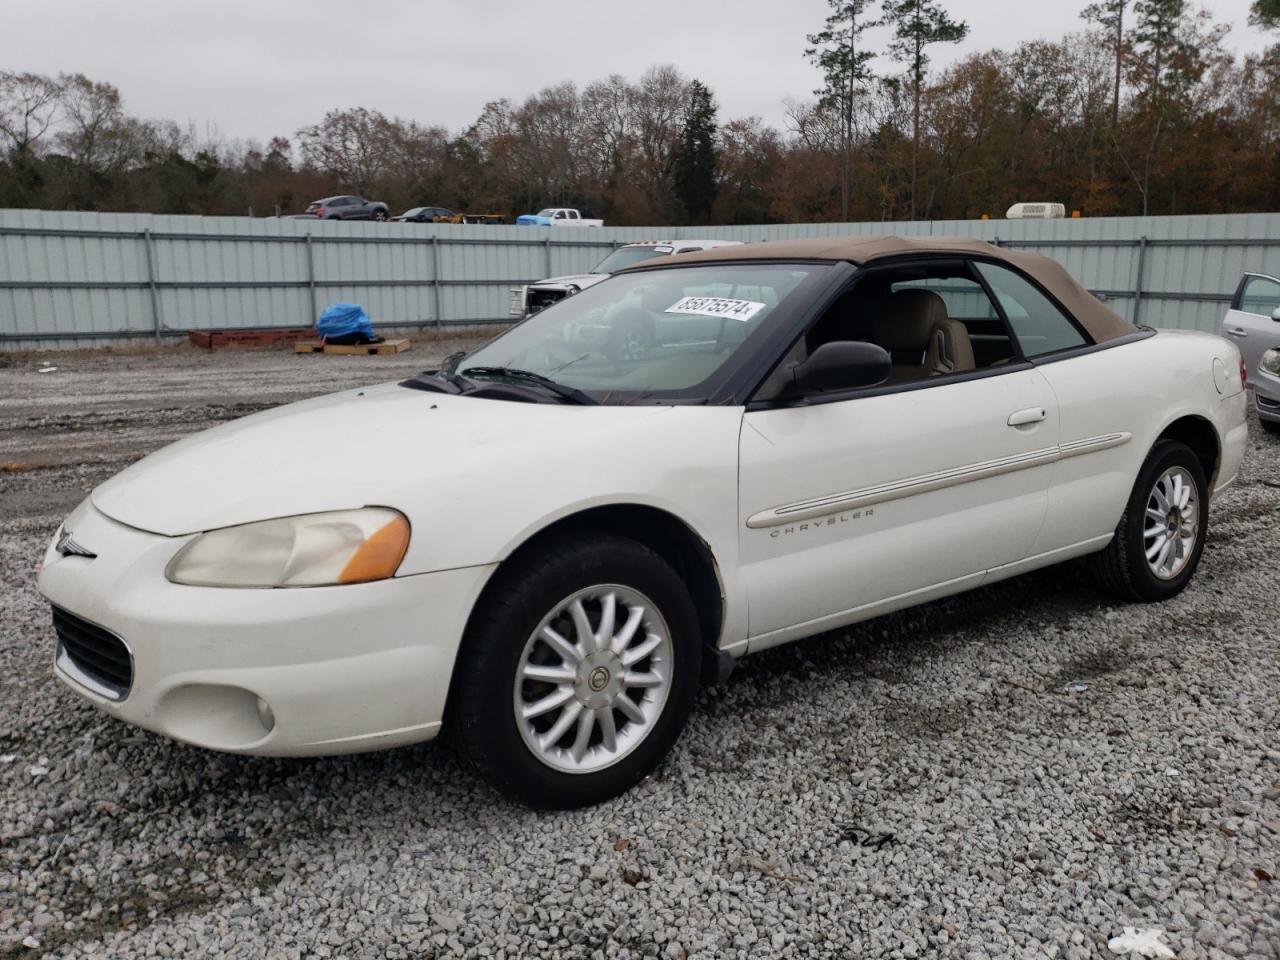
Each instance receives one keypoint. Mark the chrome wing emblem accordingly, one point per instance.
(68, 547)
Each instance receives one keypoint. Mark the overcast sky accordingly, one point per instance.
(251, 69)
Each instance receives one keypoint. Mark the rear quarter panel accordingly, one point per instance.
(1137, 388)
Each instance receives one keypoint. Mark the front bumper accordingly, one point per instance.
(285, 672)
(1266, 396)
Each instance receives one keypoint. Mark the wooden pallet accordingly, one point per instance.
(248, 338)
(363, 349)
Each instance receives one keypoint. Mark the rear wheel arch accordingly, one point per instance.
(1198, 433)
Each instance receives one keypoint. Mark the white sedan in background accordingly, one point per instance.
(543, 548)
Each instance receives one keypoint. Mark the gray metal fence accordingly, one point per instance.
(77, 279)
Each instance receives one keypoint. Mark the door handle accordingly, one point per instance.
(1020, 418)
(1237, 332)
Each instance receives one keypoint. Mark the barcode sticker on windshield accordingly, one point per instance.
(716, 307)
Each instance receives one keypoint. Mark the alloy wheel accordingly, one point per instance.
(593, 678)
(1172, 523)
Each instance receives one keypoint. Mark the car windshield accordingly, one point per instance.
(651, 333)
(414, 212)
(546, 213)
(625, 256)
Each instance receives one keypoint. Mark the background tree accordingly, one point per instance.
(350, 145)
(1109, 16)
(695, 170)
(29, 103)
(1265, 13)
(657, 106)
(846, 71)
(918, 24)
(1196, 130)
(96, 136)
(750, 163)
(1163, 66)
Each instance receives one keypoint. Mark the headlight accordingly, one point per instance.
(1270, 362)
(318, 549)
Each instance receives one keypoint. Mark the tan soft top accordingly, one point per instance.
(1100, 321)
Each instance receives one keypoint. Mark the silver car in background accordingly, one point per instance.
(1253, 325)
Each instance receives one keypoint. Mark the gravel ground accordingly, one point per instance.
(929, 784)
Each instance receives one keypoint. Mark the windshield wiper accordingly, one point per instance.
(528, 376)
(439, 379)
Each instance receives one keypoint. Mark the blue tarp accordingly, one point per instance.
(341, 319)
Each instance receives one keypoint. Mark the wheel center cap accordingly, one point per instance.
(599, 679)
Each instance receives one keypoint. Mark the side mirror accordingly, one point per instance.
(842, 365)
(1275, 314)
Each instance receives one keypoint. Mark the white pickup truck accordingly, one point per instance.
(556, 217)
(531, 298)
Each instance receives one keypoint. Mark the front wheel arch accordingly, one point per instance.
(664, 533)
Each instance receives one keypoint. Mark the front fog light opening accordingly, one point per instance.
(265, 716)
(1270, 362)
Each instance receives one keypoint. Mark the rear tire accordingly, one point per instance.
(543, 720)
(1160, 538)
(631, 338)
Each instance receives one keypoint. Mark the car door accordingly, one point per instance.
(1252, 323)
(1097, 395)
(860, 503)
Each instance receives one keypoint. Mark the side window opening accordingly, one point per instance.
(934, 319)
(1041, 328)
(1261, 295)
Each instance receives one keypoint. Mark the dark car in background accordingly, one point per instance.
(348, 208)
(425, 215)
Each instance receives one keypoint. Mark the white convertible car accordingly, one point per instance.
(544, 547)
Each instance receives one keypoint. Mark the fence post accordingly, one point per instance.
(150, 244)
(1137, 280)
(311, 283)
(547, 243)
(435, 278)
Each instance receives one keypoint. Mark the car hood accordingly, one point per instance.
(351, 449)
(580, 280)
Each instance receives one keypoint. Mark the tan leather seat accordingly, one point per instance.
(922, 340)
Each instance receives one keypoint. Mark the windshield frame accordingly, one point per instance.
(733, 382)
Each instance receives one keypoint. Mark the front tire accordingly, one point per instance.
(379, 215)
(577, 672)
(1160, 538)
(1271, 426)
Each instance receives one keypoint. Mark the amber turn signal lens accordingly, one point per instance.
(380, 556)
